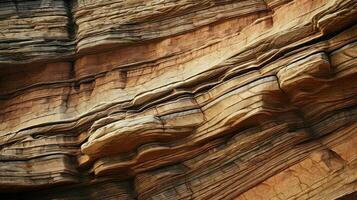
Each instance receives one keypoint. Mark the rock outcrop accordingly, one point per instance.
(178, 99)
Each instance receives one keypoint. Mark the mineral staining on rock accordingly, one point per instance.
(178, 99)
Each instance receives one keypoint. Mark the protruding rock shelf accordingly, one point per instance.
(178, 99)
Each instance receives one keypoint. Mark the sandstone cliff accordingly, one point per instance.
(178, 99)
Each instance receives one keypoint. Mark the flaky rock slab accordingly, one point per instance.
(214, 99)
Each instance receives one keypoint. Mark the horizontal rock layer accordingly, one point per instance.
(216, 99)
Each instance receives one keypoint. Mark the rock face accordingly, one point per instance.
(178, 99)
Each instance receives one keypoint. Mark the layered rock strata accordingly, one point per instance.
(178, 99)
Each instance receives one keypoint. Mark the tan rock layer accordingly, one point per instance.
(182, 99)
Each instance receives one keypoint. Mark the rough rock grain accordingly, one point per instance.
(178, 99)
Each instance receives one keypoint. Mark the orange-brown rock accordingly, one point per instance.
(178, 99)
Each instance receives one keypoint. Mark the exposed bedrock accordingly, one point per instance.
(178, 99)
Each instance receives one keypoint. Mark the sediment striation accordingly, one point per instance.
(178, 99)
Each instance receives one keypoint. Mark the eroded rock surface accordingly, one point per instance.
(178, 99)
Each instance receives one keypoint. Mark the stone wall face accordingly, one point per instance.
(178, 99)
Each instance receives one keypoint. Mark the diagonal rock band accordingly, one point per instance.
(178, 99)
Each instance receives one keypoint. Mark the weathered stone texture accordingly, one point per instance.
(178, 99)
